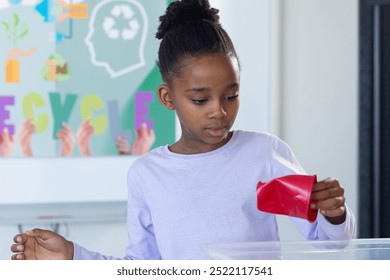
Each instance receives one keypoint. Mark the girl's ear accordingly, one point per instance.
(164, 95)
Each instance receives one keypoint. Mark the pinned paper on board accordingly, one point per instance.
(79, 78)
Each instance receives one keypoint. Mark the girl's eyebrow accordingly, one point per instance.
(198, 89)
(234, 85)
(205, 89)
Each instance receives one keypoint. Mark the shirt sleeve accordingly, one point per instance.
(142, 240)
(282, 159)
(81, 253)
(283, 162)
(142, 243)
(322, 229)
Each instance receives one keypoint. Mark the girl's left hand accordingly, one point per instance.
(328, 197)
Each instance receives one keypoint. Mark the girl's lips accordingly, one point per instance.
(216, 131)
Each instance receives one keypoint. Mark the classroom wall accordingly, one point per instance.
(318, 89)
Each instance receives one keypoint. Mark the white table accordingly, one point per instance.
(355, 249)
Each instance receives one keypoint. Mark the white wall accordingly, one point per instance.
(318, 89)
(60, 181)
(248, 26)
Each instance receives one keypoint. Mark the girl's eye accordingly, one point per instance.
(199, 101)
(231, 98)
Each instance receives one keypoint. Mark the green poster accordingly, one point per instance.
(79, 78)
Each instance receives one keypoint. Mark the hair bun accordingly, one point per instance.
(182, 11)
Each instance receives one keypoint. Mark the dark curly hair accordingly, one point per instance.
(189, 28)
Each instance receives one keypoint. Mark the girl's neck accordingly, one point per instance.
(188, 147)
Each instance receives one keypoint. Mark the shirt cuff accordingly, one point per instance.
(343, 231)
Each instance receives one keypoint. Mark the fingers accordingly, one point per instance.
(20, 238)
(86, 123)
(66, 137)
(36, 232)
(123, 146)
(152, 136)
(331, 207)
(337, 212)
(39, 233)
(4, 135)
(325, 189)
(41, 244)
(17, 248)
(18, 257)
(66, 129)
(83, 136)
(24, 135)
(85, 131)
(326, 184)
(144, 131)
(27, 123)
(328, 197)
(6, 143)
(327, 193)
(25, 132)
(144, 139)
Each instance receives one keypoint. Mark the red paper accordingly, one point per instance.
(288, 195)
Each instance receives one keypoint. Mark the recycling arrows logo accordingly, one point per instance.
(126, 13)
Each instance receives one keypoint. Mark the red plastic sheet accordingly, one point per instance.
(288, 195)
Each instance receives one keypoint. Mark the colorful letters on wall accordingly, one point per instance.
(80, 77)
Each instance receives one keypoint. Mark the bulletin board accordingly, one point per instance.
(79, 78)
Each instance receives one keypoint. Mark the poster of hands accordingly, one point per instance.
(79, 78)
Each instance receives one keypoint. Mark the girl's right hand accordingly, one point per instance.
(38, 244)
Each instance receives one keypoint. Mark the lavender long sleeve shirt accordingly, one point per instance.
(177, 203)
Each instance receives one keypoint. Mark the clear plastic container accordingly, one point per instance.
(355, 249)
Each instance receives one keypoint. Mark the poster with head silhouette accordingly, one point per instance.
(79, 78)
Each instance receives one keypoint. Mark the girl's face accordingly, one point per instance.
(205, 97)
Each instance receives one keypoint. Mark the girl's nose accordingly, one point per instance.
(217, 111)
